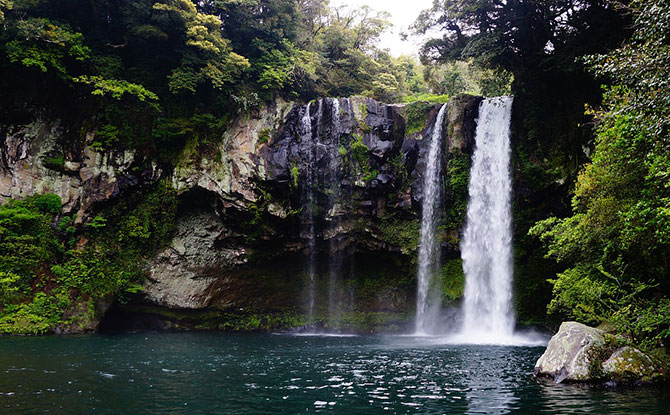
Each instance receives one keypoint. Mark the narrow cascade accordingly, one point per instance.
(429, 252)
(334, 260)
(307, 199)
(320, 153)
(486, 248)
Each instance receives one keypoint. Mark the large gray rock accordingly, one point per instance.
(568, 353)
(386, 128)
(183, 275)
(462, 112)
(231, 169)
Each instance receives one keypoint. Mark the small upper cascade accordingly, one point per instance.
(429, 262)
(486, 248)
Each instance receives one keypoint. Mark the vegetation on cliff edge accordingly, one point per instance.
(616, 244)
(52, 279)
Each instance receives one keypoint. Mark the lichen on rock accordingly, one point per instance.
(579, 353)
(628, 363)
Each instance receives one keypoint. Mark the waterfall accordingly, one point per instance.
(320, 142)
(486, 248)
(307, 199)
(429, 252)
(334, 260)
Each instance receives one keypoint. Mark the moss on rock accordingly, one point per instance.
(453, 280)
(417, 114)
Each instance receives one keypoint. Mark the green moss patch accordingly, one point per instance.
(452, 279)
(417, 116)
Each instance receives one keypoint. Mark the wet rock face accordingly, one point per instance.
(181, 275)
(461, 122)
(326, 143)
(568, 357)
(386, 129)
(331, 170)
(233, 169)
(243, 198)
(342, 157)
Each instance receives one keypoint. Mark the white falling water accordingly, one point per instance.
(334, 296)
(486, 248)
(428, 249)
(308, 200)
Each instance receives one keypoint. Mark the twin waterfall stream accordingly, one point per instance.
(486, 247)
(486, 315)
(427, 303)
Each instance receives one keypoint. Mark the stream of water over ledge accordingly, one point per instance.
(218, 373)
(486, 247)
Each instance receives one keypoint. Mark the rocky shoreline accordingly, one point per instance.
(579, 353)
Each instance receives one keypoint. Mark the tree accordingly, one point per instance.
(616, 245)
(5, 5)
(539, 43)
(347, 48)
(206, 55)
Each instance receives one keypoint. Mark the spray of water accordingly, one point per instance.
(334, 259)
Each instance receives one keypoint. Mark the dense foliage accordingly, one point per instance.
(616, 244)
(51, 279)
(149, 72)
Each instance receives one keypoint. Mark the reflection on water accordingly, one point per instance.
(209, 373)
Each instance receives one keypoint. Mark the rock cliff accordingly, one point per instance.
(339, 179)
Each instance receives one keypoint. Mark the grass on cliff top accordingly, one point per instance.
(424, 97)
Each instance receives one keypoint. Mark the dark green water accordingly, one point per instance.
(212, 373)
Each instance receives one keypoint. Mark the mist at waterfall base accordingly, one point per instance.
(223, 373)
(486, 316)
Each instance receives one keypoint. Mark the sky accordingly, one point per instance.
(403, 14)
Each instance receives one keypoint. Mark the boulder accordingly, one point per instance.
(182, 276)
(568, 353)
(628, 363)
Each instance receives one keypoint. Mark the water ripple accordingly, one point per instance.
(257, 374)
